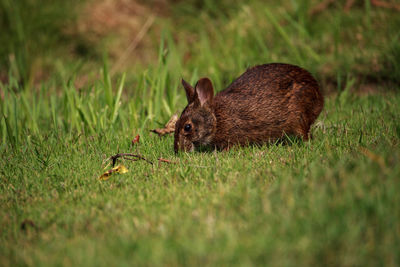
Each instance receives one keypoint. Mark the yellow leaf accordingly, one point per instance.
(121, 169)
(105, 176)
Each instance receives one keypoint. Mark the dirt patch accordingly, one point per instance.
(116, 24)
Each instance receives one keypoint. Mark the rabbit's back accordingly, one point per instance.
(266, 102)
(274, 78)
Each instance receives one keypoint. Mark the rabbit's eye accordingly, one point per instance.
(187, 127)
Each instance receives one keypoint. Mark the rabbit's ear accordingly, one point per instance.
(204, 91)
(189, 91)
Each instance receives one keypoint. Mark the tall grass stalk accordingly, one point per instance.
(151, 99)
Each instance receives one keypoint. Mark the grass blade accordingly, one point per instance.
(117, 103)
(11, 138)
(284, 35)
(107, 84)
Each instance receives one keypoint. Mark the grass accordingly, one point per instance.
(30, 31)
(333, 200)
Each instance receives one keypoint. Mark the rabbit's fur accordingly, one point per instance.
(264, 104)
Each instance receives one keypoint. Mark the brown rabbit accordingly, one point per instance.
(262, 105)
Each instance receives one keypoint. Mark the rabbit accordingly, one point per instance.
(263, 105)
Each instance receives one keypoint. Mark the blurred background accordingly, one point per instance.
(58, 40)
(90, 66)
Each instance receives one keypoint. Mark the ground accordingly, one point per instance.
(331, 200)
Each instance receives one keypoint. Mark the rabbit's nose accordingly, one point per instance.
(183, 144)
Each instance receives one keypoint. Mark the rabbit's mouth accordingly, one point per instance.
(182, 144)
(190, 147)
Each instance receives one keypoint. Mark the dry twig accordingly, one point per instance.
(166, 161)
(169, 127)
(127, 156)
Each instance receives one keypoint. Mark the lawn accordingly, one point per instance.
(330, 201)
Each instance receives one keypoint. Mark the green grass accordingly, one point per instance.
(322, 202)
(331, 201)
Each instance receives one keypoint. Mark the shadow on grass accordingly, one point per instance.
(284, 141)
